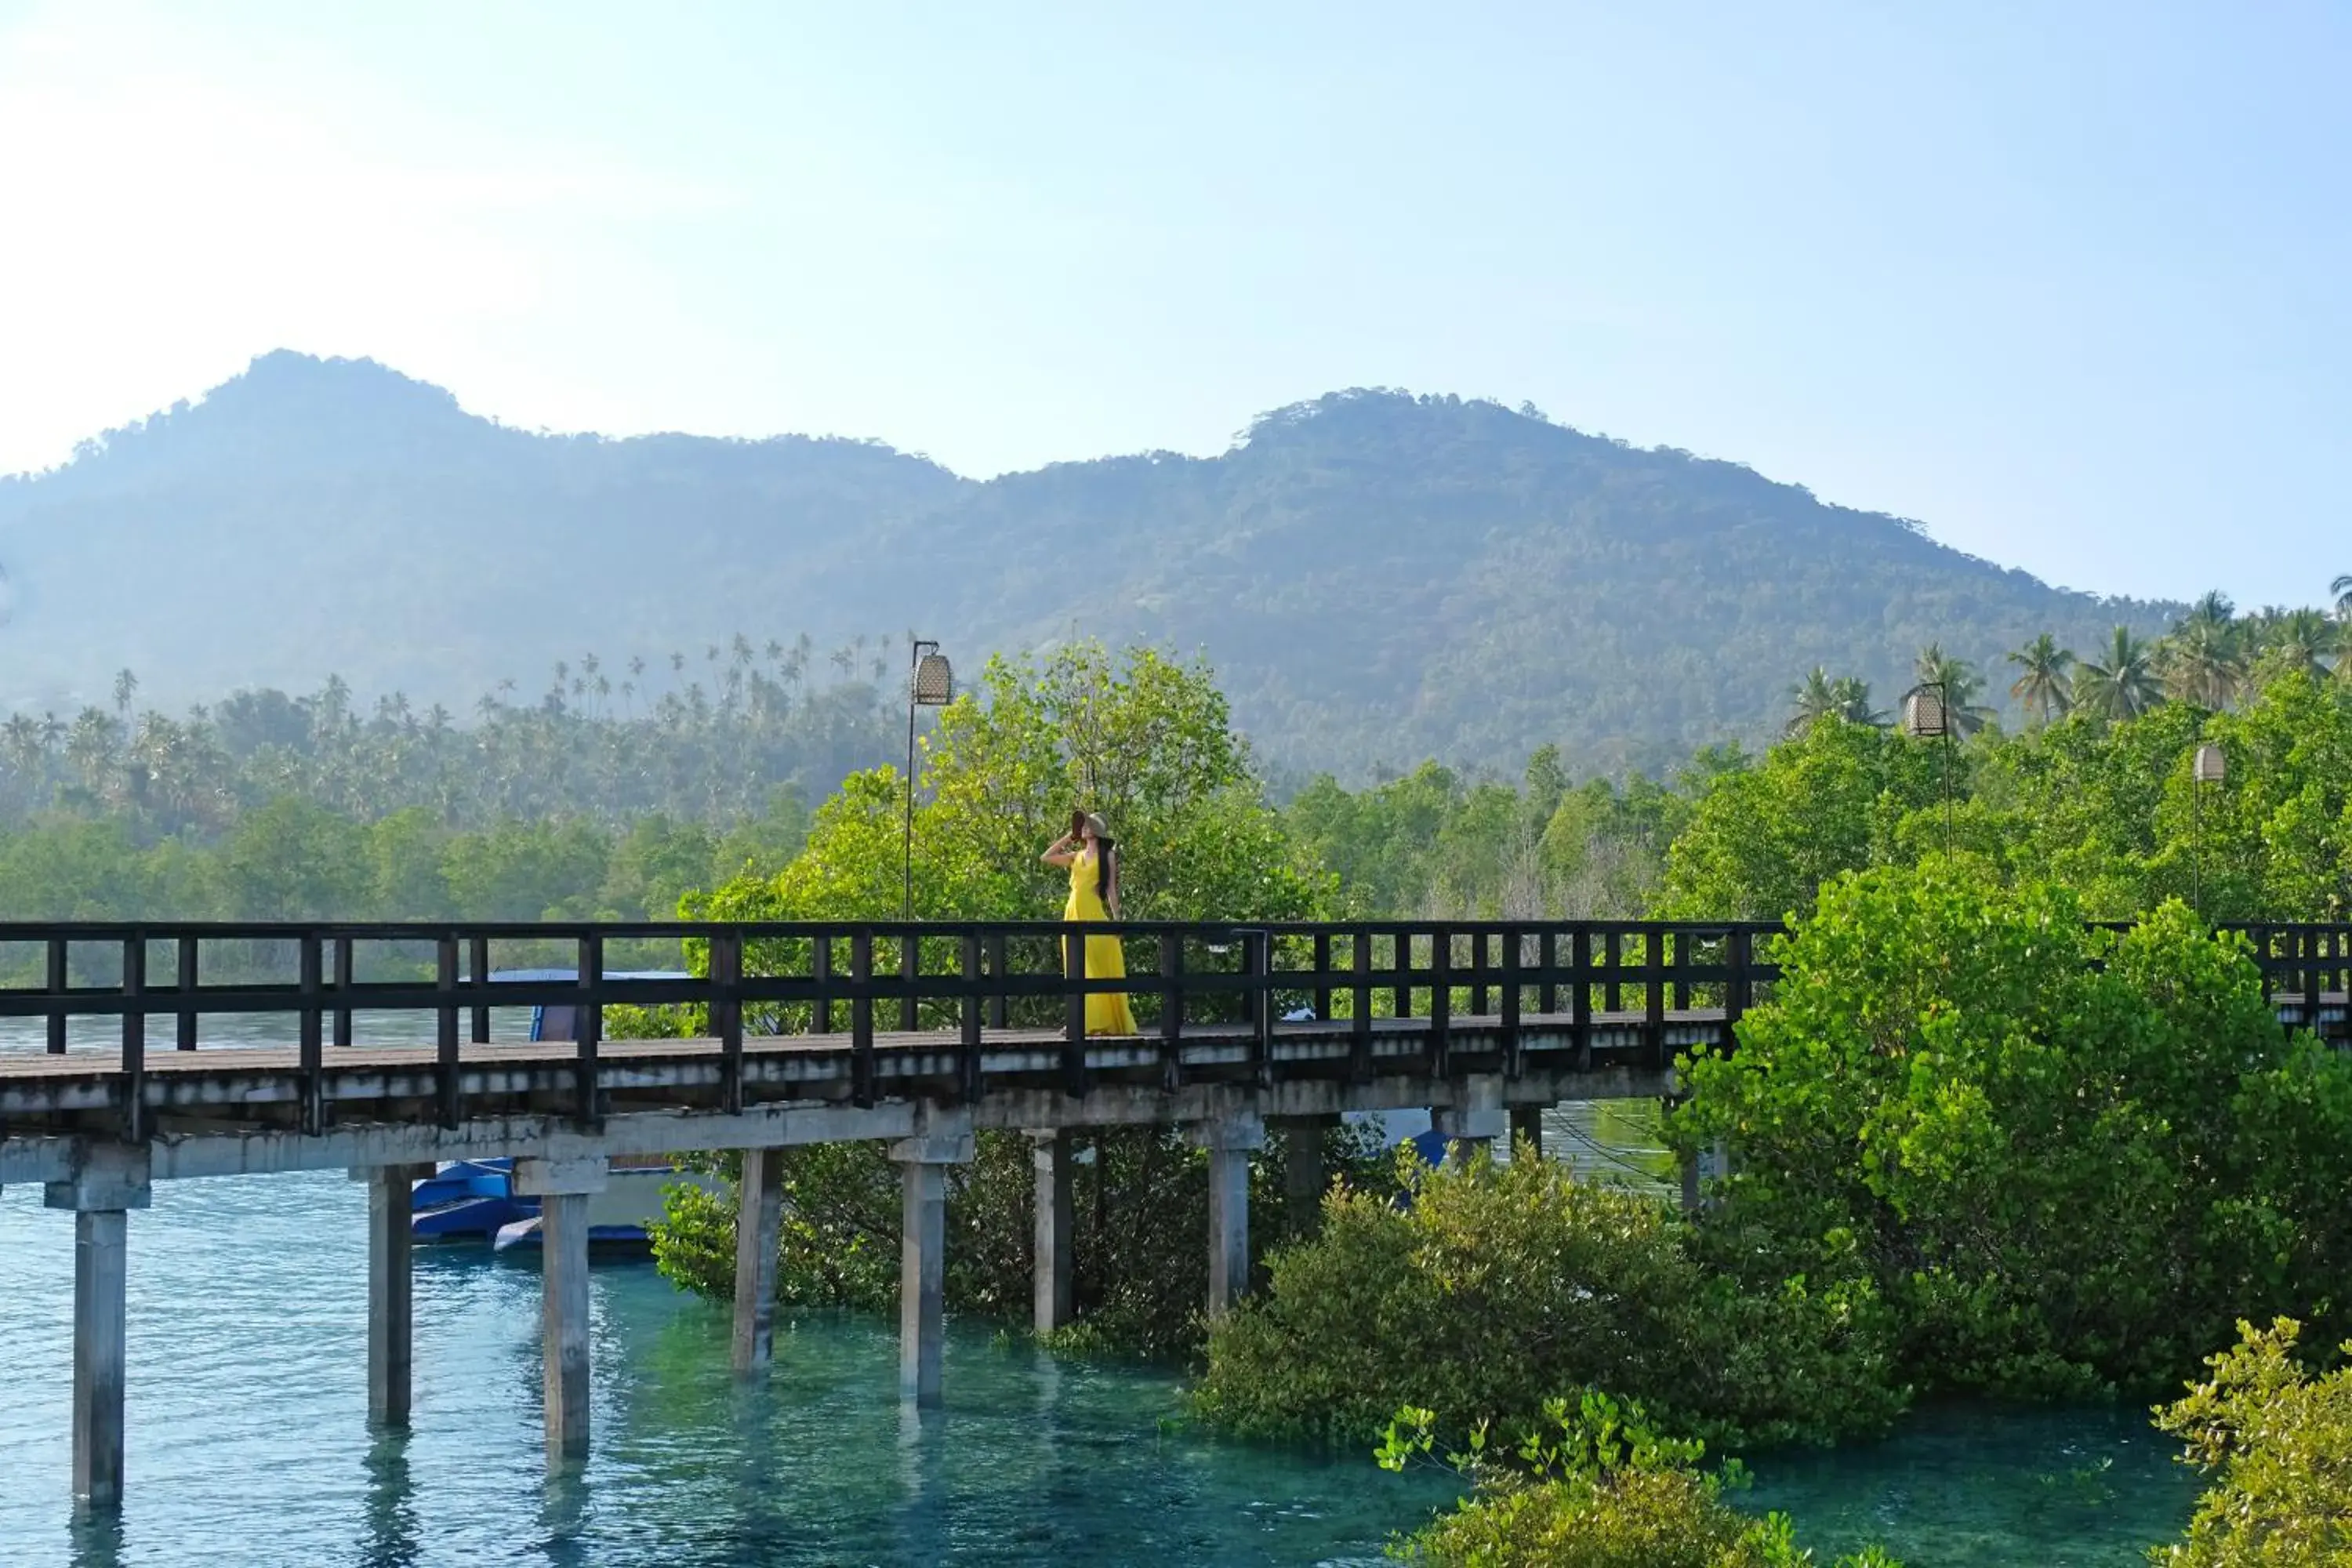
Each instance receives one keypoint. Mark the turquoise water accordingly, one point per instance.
(1971, 1487)
(248, 1444)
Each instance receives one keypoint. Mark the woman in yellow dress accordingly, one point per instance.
(1092, 857)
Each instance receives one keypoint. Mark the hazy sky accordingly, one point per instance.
(2067, 281)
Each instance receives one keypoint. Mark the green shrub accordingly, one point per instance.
(2069, 1158)
(1603, 1492)
(1503, 1285)
(2279, 1441)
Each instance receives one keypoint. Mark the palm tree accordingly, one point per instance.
(2342, 590)
(2302, 640)
(1961, 683)
(2121, 684)
(2043, 684)
(2214, 607)
(1852, 695)
(2200, 662)
(1816, 699)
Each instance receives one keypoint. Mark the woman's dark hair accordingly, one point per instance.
(1104, 847)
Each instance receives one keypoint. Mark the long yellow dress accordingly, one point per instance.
(1108, 1012)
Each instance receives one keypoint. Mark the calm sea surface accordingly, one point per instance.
(248, 1442)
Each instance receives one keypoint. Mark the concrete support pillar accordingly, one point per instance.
(759, 1220)
(109, 1182)
(1230, 1143)
(391, 1327)
(1707, 1165)
(1302, 1174)
(563, 1188)
(1050, 1155)
(942, 1139)
(1474, 1121)
(1527, 1131)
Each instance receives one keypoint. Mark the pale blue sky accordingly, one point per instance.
(2065, 281)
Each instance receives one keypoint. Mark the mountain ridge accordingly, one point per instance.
(1378, 576)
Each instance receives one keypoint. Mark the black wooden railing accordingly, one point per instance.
(962, 978)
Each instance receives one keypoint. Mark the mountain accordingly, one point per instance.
(1378, 577)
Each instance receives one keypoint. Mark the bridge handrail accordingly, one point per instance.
(805, 973)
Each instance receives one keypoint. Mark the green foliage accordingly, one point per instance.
(1428, 843)
(2278, 1441)
(2107, 807)
(1144, 741)
(292, 859)
(1148, 742)
(1140, 1199)
(1596, 1485)
(1762, 840)
(1500, 1286)
(2064, 1156)
(693, 1242)
(665, 747)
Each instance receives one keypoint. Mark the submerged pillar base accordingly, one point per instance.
(759, 1221)
(563, 1188)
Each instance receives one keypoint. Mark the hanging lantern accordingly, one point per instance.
(934, 680)
(1924, 717)
(2210, 765)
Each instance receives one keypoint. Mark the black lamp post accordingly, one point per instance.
(1927, 716)
(930, 683)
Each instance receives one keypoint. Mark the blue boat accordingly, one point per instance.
(475, 1201)
(466, 1200)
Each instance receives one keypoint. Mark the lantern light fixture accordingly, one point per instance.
(1924, 714)
(934, 680)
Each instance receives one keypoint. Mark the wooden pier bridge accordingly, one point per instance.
(919, 1034)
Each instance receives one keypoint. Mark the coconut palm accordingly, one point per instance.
(1814, 701)
(2302, 640)
(1853, 698)
(2044, 683)
(2200, 662)
(2341, 589)
(2214, 607)
(2121, 682)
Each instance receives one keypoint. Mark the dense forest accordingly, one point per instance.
(1377, 577)
(593, 798)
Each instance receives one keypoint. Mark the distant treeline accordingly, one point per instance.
(707, 739)
(579, 805)
(603, 797)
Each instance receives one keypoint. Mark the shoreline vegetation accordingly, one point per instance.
(1975, 1145)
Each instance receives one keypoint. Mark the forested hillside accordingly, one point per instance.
(1378, 578)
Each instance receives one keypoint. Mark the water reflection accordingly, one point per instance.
(922, 1513)
(389, 1515)
(564, 1517)
(95, 1537)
